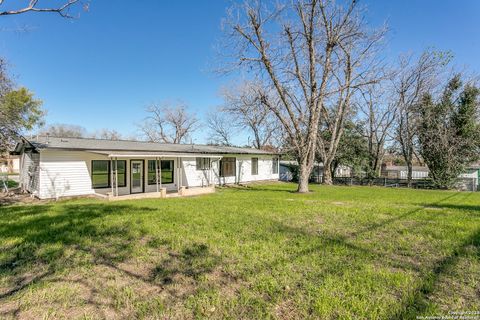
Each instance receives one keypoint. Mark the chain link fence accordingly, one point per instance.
(463, 184)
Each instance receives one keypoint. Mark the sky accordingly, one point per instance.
(102, 69)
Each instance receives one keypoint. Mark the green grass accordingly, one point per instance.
(257, 252)
(10, 184)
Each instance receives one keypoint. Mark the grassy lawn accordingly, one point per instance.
(257, 252)
(10, 184)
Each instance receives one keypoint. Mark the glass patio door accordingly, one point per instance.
(136, 176)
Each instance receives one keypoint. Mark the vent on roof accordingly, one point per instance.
(63, 140)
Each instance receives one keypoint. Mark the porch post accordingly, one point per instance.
(179, 179)
(210, 173)
(116, 176)
(111, 175)
(160, 171)
(156, 172)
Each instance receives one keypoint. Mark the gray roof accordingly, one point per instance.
(88, 144)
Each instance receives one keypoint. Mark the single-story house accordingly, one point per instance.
(401, 172)
(468, 180)
(471, 177)
(287, 171)
(52, 167)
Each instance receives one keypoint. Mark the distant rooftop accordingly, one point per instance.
(90, 144)
(404, 168)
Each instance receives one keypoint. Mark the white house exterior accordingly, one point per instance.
(401, 172)
(58, 167)
(286, 173)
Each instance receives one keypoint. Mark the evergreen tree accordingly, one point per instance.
(449, 131)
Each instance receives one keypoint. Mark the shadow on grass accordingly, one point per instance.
(41, 241)
(193, 262)
(474, 208)
(259, 188)
(419, 304)
(42, 238)
(430, 270)
(43, 235)
(396, 218)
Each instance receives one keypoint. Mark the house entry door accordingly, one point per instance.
(136, 176)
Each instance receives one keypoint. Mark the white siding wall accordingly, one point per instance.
(244, 170)
(472, 174)
(65, 173)
(415, 174)
(30, 172)
(68, 173)
(191, 177)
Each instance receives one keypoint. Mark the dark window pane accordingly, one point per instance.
(227, 167)
(254, 166)
(203, 163)
(165, 166)
(122, 177)
(152, 178)
(100, 173)
(275, 165)
(167, 171)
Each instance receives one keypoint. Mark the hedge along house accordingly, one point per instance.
(53, 167)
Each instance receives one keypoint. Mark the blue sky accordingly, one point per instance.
(101, 70)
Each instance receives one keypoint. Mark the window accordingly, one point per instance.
(166, 167)
(152, 178)
(100, 174)
(167, 171)
(203, 163)
(122, 172)
(227, 167)
(275, 165)
(254, 166)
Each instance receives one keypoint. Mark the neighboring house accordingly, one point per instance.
(287, 169)
(9, 164)
(55, 167)
(401, 172)
(471, 178)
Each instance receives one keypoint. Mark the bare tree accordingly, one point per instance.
(416, 78)
(33, 6)
(244, 106)
(62, 130)
(378, 113)
(307, 54)
(168, 124)
(220, 128)
(108, 134)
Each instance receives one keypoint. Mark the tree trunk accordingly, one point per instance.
(409, 174)
(327, 173)
(303, 177)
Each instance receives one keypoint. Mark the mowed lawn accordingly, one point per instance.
(247, 252)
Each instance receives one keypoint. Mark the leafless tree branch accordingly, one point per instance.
(33, 6)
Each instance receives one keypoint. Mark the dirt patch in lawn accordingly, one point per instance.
(14, 197)
(286, 309)
(157, 285)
